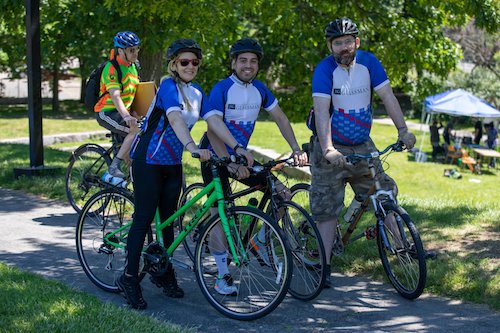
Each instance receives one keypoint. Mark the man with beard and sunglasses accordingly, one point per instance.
(233, 107)
(342, 88)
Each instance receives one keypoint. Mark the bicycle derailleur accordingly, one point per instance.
(155, 259)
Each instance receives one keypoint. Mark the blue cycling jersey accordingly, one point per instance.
(239, 103)
(350, 91)
(157, 142)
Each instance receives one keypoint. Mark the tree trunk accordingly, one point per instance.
(55, 88)
(84, 79)
(151, 67)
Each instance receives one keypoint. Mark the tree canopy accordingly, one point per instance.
(408, 36)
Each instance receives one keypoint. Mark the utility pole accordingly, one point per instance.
(34, 91)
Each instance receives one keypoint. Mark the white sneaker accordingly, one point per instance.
(225, 286)
(259, 250)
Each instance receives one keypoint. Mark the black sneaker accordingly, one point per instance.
(168, 282)
(328, 282)
(132, 291)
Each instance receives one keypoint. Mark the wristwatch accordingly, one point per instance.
(237, 146)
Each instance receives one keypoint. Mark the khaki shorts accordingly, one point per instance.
(328, 182)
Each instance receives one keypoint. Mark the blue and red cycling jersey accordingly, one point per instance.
(157, 142)
(350, 90)
(239, 103)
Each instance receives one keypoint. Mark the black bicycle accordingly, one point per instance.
(309, 260)
(399, 245)
(87, 165)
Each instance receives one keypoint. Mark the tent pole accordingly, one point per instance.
(418, 156)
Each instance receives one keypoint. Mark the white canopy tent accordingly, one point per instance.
(454, 103)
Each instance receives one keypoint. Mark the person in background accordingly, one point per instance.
(113, 108)
(491, 140)
(434, 131)
(447, 135)
(478, 132)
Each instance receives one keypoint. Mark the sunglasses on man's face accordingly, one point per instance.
(185, 62)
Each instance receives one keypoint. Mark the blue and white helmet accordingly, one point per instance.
(124, 39)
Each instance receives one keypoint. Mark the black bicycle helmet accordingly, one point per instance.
(341, 27)
(124, 39)
(246, 45)
(183, 45)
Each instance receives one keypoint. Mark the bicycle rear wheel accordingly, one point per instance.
(300, 195)
(261, 286)
(403, 255)
(87, 165)
(190, 241)
(103, 261)
(306, 245)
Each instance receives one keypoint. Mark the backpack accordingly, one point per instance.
(92, 87)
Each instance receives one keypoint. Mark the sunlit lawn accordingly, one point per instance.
(459, 218)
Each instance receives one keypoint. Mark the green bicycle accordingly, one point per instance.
(101, 237)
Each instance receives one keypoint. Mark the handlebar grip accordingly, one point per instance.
(195, 155)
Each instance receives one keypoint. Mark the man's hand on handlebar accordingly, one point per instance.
(299, 158)
(335, 157)
(240, 171)
(245, 153)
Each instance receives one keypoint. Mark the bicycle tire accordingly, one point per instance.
(189, 243)
(261, 288)
(405, 266)
(86, 166)
(102, 262)
(300, 195)
(308, 253)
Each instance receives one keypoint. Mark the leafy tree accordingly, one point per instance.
(408, 36)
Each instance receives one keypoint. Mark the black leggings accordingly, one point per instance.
(155, 186)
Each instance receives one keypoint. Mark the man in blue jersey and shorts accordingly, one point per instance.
(342, 88)
(233, 107)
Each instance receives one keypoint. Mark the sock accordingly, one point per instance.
(261, 236)
(221, 262)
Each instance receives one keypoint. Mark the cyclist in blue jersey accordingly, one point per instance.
(157, 157)
(233, 107)
(342, 88)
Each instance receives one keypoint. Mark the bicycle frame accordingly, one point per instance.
(270, 194)
(215, 194)
(377, 197)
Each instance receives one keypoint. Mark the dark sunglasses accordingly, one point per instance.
(185, 62)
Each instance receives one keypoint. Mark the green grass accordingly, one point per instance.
(72, 118)
(457, 218)
(31, 303)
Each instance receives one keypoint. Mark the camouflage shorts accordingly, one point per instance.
(328, 182)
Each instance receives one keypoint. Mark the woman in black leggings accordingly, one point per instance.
(157, 162)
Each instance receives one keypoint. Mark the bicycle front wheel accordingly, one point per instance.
(87, 165)
(308, 253)
(402, 252)
(261, 283)
(191, 239)
(104, 215)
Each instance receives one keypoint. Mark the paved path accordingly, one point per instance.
(38, 235)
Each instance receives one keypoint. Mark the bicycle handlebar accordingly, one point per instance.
(355, 158)
(224, 161)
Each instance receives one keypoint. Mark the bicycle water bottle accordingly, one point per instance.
(115, 181)
(353, 208)
(253, 202)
